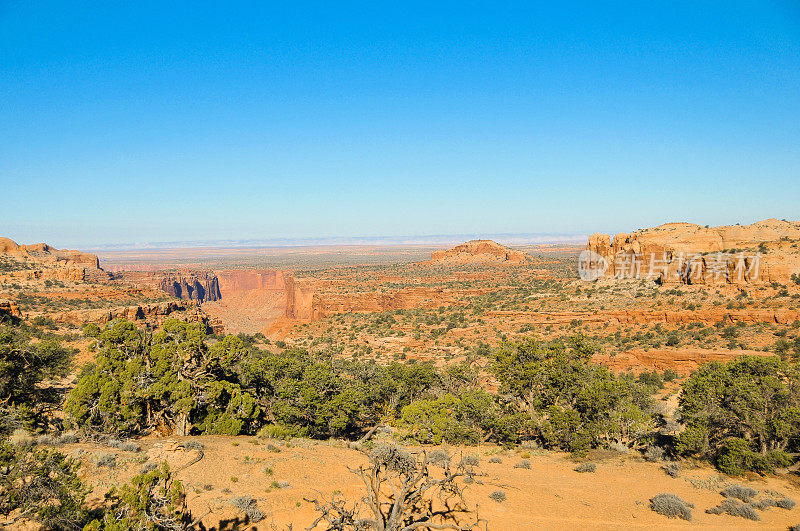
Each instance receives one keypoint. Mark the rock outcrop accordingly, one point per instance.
(478, 251)
(9, 310)
(41, 252)
(154, 313)
(42, 262)
(201, 287)
(686, 253)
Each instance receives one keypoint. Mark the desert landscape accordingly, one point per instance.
(373, 266)
(455, 329)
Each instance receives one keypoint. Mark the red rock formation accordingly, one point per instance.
(478, 251)
(9, 309)
(686, 253)
(202, 287)
(41, 252)
(153, 313)
(635, 316)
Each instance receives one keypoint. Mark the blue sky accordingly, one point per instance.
(142, 121)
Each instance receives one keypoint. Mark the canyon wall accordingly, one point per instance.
(686, 253)
(203, 287)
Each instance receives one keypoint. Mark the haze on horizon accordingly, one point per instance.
(152, 123)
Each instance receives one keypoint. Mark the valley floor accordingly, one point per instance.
(550, 495)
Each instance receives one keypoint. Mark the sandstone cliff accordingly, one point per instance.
(478, 251)
(42, 262)
(200, 287)
(765, 251)
(41, 252)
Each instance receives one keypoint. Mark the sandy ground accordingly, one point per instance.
(551, 495)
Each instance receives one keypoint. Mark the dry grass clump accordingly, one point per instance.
(523, 464)
(671, 506)
(495, 459)
(586, 467)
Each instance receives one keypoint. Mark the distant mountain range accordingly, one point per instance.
(425, 240)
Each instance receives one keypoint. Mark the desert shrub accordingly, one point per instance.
(105, 460)
(24, 365)
(744, 414)
(740, 492)
(735, 507)
(785, 503)
(151, 500)
(193, 445)
(495, 459)
(654, 454)
(439, 457)
(763, 503)
(499, 496)
(470, 460)
(523, 464)
(249, 506)
(586, 467)
(148, 467)
(41, 484)
(125, 446)
(672, 506)
(672, 469)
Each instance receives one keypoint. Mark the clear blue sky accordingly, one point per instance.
(143, 121)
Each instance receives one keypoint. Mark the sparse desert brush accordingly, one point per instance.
(786, 503)
(193, 445)
(672, 469)
(470, 460)
(148, 467)
(523, 464)
(499, 496)
(495, 459)
(439, 457)
(249, 506)
(672, 506)
(735, 507)
(654, 454)
(104, 460)
(586, 467)
(740, 492)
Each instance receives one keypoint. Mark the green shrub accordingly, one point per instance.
(41, 484)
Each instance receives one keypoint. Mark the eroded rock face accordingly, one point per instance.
(202, 287)
(9, 309)
(41, 252)
(154, 313)
(479, 251)
(686, 253)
